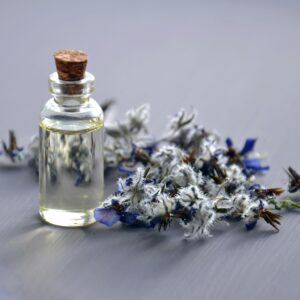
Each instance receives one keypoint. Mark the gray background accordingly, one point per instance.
(237, 62)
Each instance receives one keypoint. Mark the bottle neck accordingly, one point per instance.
(71, 101)
(71, 93)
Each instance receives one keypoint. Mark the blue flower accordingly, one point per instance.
(107, 216)
(248, 146)
(250, 166)
(115, 213)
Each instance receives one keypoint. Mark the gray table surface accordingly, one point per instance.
(237, 62)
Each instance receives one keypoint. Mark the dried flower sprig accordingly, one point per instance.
(11, 153)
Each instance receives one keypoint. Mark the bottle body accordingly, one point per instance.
(71, 175)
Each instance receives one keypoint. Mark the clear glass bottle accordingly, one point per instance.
(71, 153)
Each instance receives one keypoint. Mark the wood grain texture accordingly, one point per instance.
(236, 62)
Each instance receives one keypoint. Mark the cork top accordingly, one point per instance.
(70, 64)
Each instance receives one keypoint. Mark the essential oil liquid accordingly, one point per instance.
(71, 171)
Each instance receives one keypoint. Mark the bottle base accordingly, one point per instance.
(66, 218)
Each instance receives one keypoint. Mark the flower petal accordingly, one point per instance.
(229, 142)
(248, 147)
(128, 218)
(255, 165)
(107, 216)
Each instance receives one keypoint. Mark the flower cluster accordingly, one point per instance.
(187, 175)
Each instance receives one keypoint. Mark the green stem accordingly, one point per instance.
(277, 205)
(287, 203)
(290, 204)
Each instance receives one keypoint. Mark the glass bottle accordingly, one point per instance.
(71, 153)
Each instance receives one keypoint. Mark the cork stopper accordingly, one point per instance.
(70, 64)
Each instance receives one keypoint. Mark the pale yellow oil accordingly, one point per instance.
(71, 171)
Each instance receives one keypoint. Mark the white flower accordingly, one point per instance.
(241, 203)
(183, 175)
(201, 223)
(155, 207)
(191, 197)
(166, 158)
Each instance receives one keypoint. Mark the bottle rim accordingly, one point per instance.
(84, 87)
